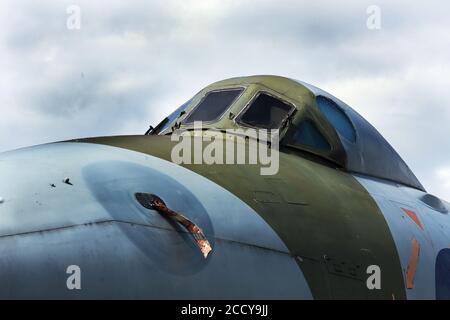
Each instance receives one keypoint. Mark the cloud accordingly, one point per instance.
(441, 180)
(134, 62)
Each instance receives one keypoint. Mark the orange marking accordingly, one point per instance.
(412, 264)
(414, 217)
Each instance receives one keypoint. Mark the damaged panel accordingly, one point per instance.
(153, 202)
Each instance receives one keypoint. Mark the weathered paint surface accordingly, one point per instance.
(418, 244)
(412, 264)
(123, 249)
(324, 216)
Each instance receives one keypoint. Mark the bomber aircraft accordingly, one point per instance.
(335, 214)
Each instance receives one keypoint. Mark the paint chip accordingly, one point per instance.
(412, 264)
(67, 181)
(414, 217)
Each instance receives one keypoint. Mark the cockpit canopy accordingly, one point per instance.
(310, 120)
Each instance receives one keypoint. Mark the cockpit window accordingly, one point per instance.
(308, 135)
(266, 112)
(337, 117)
(170, 120)
(213, 105)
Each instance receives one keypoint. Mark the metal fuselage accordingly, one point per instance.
(309, 231)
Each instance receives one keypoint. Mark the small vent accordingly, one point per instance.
(434, 203)
(146, 200)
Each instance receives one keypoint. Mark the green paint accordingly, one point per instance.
(323, 215)
(329, 222)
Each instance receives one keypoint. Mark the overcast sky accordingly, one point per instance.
(133, 62)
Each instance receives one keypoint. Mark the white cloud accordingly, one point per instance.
(135, 61)
(441, 181)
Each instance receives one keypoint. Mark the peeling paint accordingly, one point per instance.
(412, 265)
(153, 202)
(414, 217)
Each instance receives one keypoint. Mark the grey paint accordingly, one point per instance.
(112, 267)
(124, 250)
(434, 236)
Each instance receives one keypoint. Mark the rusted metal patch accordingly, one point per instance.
(153, 202)
(412, 264)
(413, 217)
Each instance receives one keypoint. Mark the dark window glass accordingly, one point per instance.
(307, 134)
(213, 106)
(337, 118)
(266, 112)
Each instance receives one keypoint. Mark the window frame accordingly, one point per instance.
(255, 96)
(308, 147)
(340, 109)
(164, 130)
(219, 118)
(323, 154)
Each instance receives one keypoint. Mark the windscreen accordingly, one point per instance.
(213, 106)
(266, 112)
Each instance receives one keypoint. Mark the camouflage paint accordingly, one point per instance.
(418, 244)
(124, 250)
(328, 221)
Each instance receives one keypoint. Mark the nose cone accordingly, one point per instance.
(74, 204)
